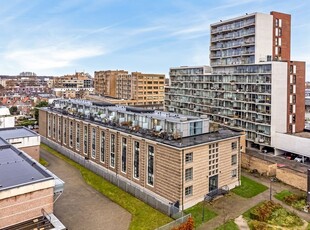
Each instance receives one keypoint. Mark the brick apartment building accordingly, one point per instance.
(77, 85)
(252, 84)
(27, 189)
(173, 157)
(139, 88)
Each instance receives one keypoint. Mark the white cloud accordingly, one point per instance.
(50, 57)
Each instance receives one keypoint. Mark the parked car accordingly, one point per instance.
(298, 159)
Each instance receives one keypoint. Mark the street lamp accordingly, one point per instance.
(203, 207)
(272, 179)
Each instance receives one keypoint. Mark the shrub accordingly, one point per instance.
(283, 218)
(290, 199)
(256, 225)
(188, 225)
(300, 204)
(264, 211)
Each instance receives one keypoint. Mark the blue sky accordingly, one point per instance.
(56, 37)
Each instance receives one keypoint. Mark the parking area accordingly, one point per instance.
(80, 206)
(285, 160)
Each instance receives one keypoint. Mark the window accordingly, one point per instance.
(189, 191)
(291, 108)
(124, 154)
(234, 159)
(93, 143)
(85, 139)
(54, 127)
(188, 174)
(280, 32)
(234, 173)
(277, 22)
(59, 128)
(112, 148)
(136, 154)
(294, 79)
(188, 157)
(71, 134)
(102, 146)
(195, 128)
(291, 89)
(65, 132)
(77, 144)
(150, 165)
(234, 145)
(49, 125)
(294, 118)
(294, 99)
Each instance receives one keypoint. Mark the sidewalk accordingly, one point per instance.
(232, 205)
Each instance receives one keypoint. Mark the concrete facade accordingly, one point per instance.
(253, 84)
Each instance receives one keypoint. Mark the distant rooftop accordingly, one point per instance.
(4, 111)
(17, 169)
(304, 134)
(16, 132)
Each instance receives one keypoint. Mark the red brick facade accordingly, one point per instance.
(27, 206)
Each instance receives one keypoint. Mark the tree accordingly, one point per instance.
(13, 110)
(36, 110)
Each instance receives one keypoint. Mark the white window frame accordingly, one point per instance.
(190, 176)
(191, 157)
(93, 142)
(147, 167)
(133, 160)
(189, 190)
(102, 140)
(114, 138)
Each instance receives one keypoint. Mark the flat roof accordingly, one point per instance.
(3, 142)
(179, 143)
(16, 132)
(17, 169)
(304, 134)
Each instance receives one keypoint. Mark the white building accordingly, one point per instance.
(252, 85)
(6, 120)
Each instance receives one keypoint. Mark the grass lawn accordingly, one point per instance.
(249, 188)
(196, 212)
(281, 195)
(43, 162)
(143, 215)
(229, 225)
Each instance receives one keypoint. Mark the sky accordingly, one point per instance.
(57, 37)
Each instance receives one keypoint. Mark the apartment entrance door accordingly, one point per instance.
(213, 183)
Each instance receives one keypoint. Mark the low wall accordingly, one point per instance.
(262, 166)
(286, 175)
(293, 178)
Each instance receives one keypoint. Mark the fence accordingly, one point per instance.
(123, 183)
(175, 223)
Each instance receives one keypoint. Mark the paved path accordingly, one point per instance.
(242, 224)
(232, 206)
(80, 206)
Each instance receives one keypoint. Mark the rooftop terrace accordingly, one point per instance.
(149, 134)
